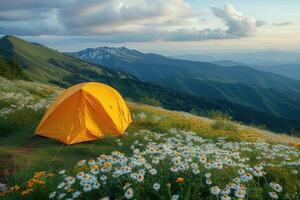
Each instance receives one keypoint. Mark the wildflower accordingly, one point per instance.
(70, 180)
(180, 180)
(175, 197)
(196, 171)
(61, 172)
(96, 185)
(225, 197)
(202, 160)
(87, 188)
(218, 165)
(240, 194)
(174, 169)
(258, 167)
(80, 175)
(208, 181)
(207, 175)
(215, 190)
(52, 194)
(140, 178)
(76, 194)
(294, 171)
(81, 163)
(153, 171)
(194, 165)
(61, 185)
(208, 165)
(127, 185)
(95, 169)
(246, 177)
(155, 161)
(276, 186)
(236, 180)
(241, 172)
(133, 176)
(103, 177)
(156, 186)
(273, 195)
(226, 190)
(258, 173)
(62, 195)
(129, 193)
(91, 162)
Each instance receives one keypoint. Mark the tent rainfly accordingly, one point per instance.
(83, 112)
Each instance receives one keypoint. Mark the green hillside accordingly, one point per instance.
(45, 65)
(267, 100)
(181, 152)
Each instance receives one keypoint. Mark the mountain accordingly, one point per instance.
(291, 70)
(244, 85)
(153, 67)
(246, 56)
(287, 69)
(195, 57)
(42, 64)
(228, 63)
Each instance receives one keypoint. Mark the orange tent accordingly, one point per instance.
(84, 112)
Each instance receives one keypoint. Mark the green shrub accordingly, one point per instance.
(217, 114)
(19, 119)
(223, 124)
(151, 101)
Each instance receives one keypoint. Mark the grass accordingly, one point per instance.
(22, 154)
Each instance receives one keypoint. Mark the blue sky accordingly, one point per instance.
(168, 26)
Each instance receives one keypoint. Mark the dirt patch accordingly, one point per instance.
(23, 150)
(5, 172)
(30, 142)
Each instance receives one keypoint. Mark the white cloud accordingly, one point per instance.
(121, 20)
(96, 16)
(237, 23)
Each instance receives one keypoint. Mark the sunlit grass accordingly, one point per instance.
(25, 154)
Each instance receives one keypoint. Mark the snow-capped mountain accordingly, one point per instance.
(101, 55)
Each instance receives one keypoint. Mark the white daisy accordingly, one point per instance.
(129, 193)
(156, 186)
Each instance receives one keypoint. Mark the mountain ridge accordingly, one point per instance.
(130, 55)
(279, 95)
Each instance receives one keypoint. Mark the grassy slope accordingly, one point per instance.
(19, 144)
(22, 153)
(47, 65)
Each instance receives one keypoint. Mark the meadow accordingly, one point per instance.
(163, 155)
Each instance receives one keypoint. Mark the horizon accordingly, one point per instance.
(165, 27)
(173, 53)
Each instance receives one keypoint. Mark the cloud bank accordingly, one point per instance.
(121, 20)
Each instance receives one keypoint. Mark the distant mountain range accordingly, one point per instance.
(291, 70)
(35, 62)
(246, 56)
(264, 91)
(282, 63)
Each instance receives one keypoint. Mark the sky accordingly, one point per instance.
(162, 26)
